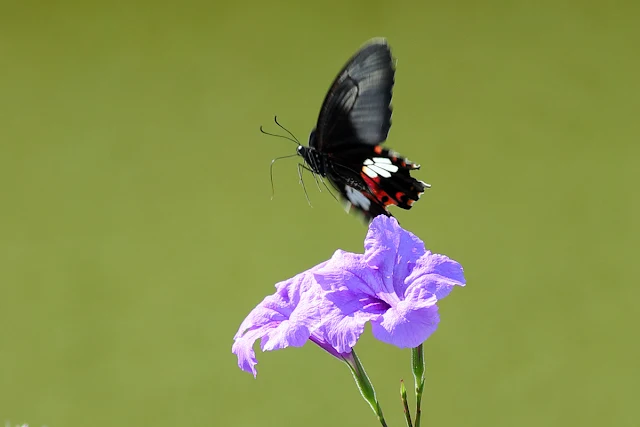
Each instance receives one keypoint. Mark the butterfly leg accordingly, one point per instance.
(315, 176)
(322, 180)
(306, 195)
(329, 189)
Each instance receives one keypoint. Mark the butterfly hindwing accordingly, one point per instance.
(357, 108)
(370, 179)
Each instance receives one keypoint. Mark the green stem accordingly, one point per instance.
(364, 385)
(417, 364)
(405, 404)
(419, 391)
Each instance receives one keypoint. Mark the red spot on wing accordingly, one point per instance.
(376, 193)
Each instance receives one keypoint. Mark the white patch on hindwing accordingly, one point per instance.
(379, 166)
(356, 198)
(370, 173)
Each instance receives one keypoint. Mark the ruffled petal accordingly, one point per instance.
(345, 316)
(392, 250)
(284, 319)
(409, 323)
(346, 270)
(436, 273)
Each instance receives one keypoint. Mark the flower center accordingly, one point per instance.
(374, 305)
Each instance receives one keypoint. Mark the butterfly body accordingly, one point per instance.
(345, 146)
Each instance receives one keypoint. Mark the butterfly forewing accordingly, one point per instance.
(357, 108)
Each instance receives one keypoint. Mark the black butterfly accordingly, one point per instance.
(345, 145)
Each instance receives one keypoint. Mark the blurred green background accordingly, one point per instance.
(137, 230)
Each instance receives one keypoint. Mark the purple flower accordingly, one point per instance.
(395, 285)
(289, 317)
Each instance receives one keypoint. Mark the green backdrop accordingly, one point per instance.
(137, 230)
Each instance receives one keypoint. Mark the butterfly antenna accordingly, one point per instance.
(306, 195)
(275, 119)
(273, 191)
(279, 136)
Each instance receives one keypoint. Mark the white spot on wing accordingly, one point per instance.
(379, 160)
(381, 163)
(357, 198)
(377, 169)
(369, 172)
(389, 168)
